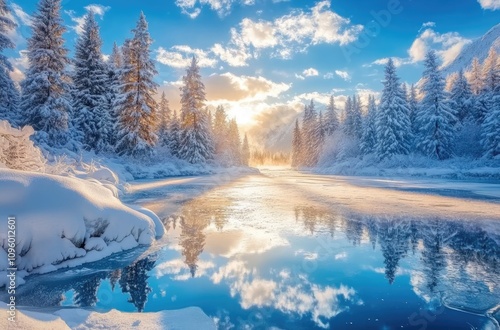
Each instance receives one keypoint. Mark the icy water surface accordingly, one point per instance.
(298, 251)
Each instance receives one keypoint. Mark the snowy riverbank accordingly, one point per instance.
(64, 222)
(187, 318)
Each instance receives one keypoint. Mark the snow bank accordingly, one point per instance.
(188, 318)
(412, 166)
(64, 221)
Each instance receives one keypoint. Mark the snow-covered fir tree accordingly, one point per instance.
(347, 121)
(320, 132)
(196, 146)
(234, 143)
(245, 152)
(461, 97)
(479, 101)
(393, 120)
(297, 146)
(491, 125)
(220, 129)
(174, 129)
(436, 118)
(165, 115)
(369, 138)
(91, 111)
(9, 95)
(331, 118)
(135, 106)
(113, 88)
(357, 118)
(310, 133)
(46, 101)
(413, 109)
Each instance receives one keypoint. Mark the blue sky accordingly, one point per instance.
(263, 58)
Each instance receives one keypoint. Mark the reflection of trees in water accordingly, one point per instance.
(393, 237)
(134, 280)
(86, 291)
(463, 243)
(195, 217)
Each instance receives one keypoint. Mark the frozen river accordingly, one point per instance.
(289, 250)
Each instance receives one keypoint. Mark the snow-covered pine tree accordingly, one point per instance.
(165, 115)
(92, 116)
(136, 107)
(45, 102)
(113, 88)
(174, 129)
(320, 132)
(348, 123)
(413, 109)
(357, 117)
(220, 129)
(477, 85)
(369, 138)
(196, 146)
(461, 97)
(9, 95)
(234, 143)
(245, 152)
(310, 143)
(331, 118)
(491, 125)
(393, 119)
(435, 117)
(297, 146)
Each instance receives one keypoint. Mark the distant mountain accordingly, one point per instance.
(478, 48)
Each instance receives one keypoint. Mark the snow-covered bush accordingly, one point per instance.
(339, 147)
(17, 151)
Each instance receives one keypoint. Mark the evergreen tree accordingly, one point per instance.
(45, 102)
(479, 101)
(297, 146)
(310, 142)
(174, 129)
(234, 143)
(357, 118)
(165, 119)
(413, 108)
(320, 132)
(393, 118)
(196, 146)
(491, 125)
(369, 138)
(331, 118)
(220, 129)
(461, 97)
(91, 113)
(245, 152)
(347, 123)
(113, 89)
(435, 118)
(9, 95)
(136, 107)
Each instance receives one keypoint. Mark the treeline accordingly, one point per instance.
(439, 120)
(109, 105)
(266, 157)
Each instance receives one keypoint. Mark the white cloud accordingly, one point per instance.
(98, 10)
(192, 8)
(311, 72)
(447, 46)
(343, 74)
(180, 56)
(489, 4)
(429, 24)
(289, 34)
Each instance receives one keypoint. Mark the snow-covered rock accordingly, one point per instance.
(187, 318)
(62, 221)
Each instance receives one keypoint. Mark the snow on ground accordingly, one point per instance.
(63, 222)
(413, 166)
(187, 318)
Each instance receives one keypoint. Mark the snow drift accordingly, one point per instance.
(187, 318)
(62, 222)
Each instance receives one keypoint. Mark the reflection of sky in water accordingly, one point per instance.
(255, 259)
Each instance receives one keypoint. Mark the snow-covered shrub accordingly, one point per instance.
(17, 151)
(339, 147)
